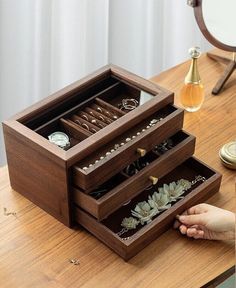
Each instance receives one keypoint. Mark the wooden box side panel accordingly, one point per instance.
(37, 177)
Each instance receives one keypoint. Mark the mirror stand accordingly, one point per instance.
(216, 21)
(231, 66)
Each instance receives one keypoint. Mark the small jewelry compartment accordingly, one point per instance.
(94, 116)
(89, 104)
(130, 243)
(127, 97)
(113, 197)
(75, 134)
(107, 161)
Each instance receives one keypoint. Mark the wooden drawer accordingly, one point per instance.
(121, 188)
(134, 241)
(92, 112)
(88, 178)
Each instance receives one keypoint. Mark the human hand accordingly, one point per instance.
(205, 221)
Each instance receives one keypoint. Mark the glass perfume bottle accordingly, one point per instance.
(192, 93)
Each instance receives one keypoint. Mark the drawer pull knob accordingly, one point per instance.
(141, 152)
(154, 180)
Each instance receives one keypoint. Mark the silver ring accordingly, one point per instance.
(77, 122)
(93, 130)
(85, 117)
(99, 110)
(108, 113)
(129, 104)
(93, 121)
(100, 117)
(85, 126)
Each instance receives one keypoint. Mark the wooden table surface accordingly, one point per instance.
(35, 248)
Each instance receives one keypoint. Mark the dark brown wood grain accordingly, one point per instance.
(128, 189)
(202, 25)
(128, 248)
(231, 64)
(91, 178)
(40, 179)
(39, 244)
(28, 148)
(223, 79)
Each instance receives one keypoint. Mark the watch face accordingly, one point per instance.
(60, 139)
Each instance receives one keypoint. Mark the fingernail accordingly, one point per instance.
(177, 217)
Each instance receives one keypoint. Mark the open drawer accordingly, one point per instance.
(131, 242)
(122, 187)
(121, 151)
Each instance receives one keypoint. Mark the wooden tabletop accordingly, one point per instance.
(35, 248)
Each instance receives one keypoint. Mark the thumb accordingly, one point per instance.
(198, 219)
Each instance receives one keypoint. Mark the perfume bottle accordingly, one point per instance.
(192, 93)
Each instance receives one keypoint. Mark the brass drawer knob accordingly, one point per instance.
(154, 180)
(141, 152)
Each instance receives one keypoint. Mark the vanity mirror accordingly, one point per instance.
(216, 20)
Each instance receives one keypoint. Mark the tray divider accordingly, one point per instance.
(109, 107)
(98, 115)
(75, 130)
(88, 124)
(72, 110)
(90, 118)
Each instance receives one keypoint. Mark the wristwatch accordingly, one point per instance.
(60, 139)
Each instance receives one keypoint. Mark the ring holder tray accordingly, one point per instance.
(125, 136)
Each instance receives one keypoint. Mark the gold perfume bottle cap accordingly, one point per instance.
(228, 155)
(193, 76)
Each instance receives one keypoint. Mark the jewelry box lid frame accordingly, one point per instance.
(68, 158)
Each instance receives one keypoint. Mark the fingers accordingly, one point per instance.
(195, 233)
(193, 216)
(183, 229)
(190, 220)
(198, 209)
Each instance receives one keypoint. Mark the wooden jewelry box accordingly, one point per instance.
(116, 122)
